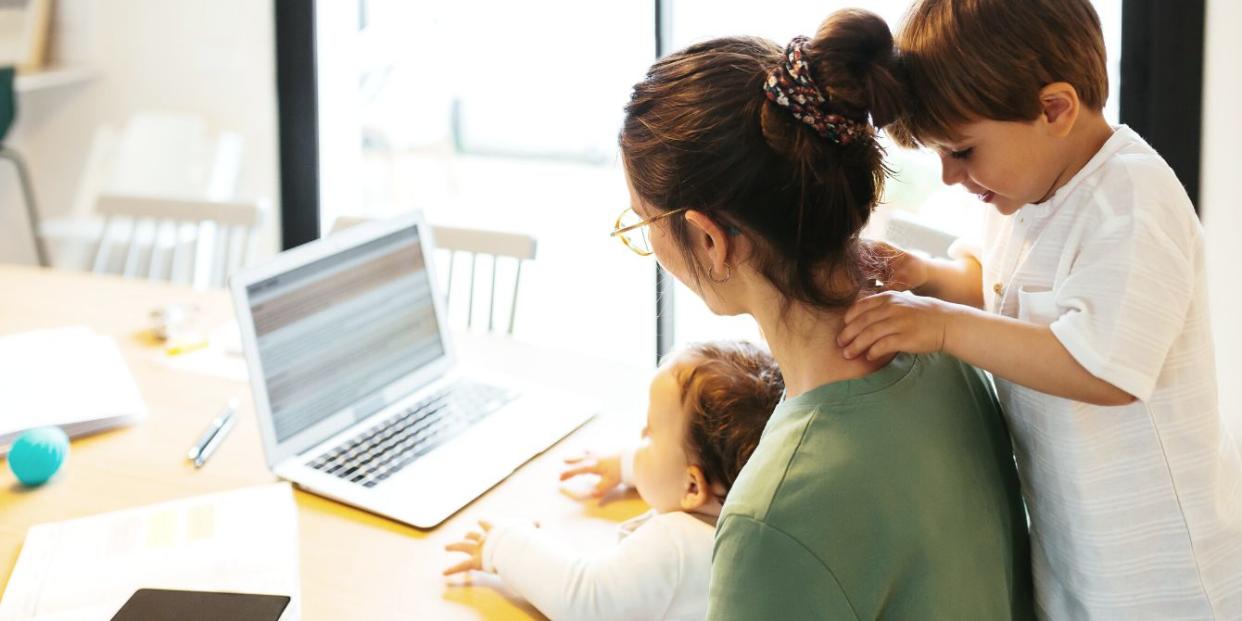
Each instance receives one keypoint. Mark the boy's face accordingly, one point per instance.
(1007, 164)
(660, 463)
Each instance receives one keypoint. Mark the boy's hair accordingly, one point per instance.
(969, 60)
(728, 389)
(700, 133)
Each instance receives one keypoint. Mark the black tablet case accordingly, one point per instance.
(166, 605)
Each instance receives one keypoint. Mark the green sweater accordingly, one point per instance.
(891, 496)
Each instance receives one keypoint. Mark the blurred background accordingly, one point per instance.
(502, 116)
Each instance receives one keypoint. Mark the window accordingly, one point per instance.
(499, 115)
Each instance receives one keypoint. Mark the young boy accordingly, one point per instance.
(1094, 315)
(708, 406)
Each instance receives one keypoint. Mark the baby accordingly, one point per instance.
(708, 406)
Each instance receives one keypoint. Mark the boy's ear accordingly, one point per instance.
(698, 491)
(1059, 107)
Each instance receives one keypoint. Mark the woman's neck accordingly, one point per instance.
(803, 340)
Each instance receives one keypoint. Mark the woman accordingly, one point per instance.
(881, 488)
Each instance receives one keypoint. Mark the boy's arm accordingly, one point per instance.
(958, 279)
(1033, 357)
(1021, 352)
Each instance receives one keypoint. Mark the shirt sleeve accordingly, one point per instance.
(637, 579)
(1125, 300)
(966, 247)
(627, 466)
(759, 572)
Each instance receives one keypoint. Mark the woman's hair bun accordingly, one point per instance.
(853, 60)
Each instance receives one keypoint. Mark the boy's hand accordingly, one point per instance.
(472, 545)
(889, 322)
(906, 271)
(607, 467)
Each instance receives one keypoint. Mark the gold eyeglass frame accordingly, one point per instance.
(620, 231)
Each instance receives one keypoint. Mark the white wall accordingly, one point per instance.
(214, 58)
(1222, 213)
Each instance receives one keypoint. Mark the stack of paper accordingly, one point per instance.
(242, 541)
(69, 377)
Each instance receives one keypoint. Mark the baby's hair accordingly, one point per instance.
(728, 389)
(970, 60)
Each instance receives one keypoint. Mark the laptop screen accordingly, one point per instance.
(334, 333)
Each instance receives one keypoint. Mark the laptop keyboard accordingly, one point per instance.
(379, 452)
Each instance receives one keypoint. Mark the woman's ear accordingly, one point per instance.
(698, 491)
(710, 239)
(1059, 107)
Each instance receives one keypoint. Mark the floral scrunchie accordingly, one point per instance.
(790, 86)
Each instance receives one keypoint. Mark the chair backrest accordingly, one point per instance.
(160, 154)
(196, 242)
(911, 234)
(496, 247)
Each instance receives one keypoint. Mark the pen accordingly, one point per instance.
(213, 435)
(214, 441)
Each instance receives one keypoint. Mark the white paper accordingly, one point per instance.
(69, 377)
(242, 541)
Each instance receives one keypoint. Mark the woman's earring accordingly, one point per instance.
(727, 276)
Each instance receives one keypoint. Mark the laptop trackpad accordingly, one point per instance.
(476, 460)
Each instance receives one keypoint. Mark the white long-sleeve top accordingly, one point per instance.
(658, 570)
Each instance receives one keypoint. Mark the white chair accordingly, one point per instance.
(175, 157)
(497, 245)
(494, 246)
(195, 242)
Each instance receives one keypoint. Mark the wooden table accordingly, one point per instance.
(354, 565)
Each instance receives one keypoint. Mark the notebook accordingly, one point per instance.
(69, 377)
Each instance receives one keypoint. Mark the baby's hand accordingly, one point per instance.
(889, 322)
(607, 467)
(905, 271)
(472, 545)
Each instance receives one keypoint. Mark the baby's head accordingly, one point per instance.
(998, 88)
(708, 405)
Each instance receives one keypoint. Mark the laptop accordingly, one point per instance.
(357, 391)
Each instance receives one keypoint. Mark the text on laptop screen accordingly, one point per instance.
(334, 333)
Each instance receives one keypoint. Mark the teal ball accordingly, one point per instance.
(37, 454)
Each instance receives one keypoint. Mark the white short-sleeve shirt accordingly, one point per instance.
(1136, 511)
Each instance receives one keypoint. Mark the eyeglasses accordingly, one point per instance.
(632, 229)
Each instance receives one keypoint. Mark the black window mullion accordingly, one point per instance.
(665, 316)
(1162, 81)
(298, 114)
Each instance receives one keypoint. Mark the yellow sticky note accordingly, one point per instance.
(201, 523)
(162, 529)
